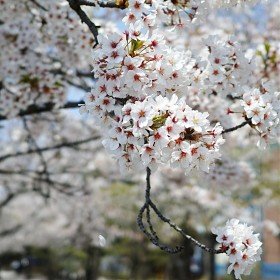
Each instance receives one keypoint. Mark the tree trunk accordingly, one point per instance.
(179, 264)
(92, 263)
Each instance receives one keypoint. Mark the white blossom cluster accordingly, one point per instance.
(241, 245)
(228, 80)
(137, 98)
(36, 46)
(215, 105)
(180, 13)
(227, 68)
(29, 83)
(262, 106)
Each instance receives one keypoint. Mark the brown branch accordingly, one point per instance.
(16, 228)
(44, 149)
(39, 5)
(105, 4)
(10, 231)
(75, 5)
(9, 197)
(62, 187)
(44, 173)
(152, 235)
(66, 189)
(248, 121)
(85, 74)
(47, 107)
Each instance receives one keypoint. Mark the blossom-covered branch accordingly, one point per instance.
(157, 99)
(156, 122)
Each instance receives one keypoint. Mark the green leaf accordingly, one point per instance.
(24, 79)
(136, 45)
(58, 84)
(267, 47)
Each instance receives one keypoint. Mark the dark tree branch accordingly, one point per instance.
(75, 5)
(9, 197)
(87, 3)
(10, 231)
(39, 5)
(248, 121)
(37, 148)
(85, 74)
(65, 188)
(47, 107)
(35, 176)
(105, 4)
(152, 235)
(16, 228)
(44, 149)
(44, 173)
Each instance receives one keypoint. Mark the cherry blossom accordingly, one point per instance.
(166, 89)
(241, 245)
(262, 106)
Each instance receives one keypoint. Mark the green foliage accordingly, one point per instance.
(27, 79)
(58, 84)
(135, 45)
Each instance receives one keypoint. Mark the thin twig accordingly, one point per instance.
(59, 146)
(47, 107)
(152, 235)
(10, 196)
(148, 216)
(43, 173)
(168, 221)
(248, 121)
(37, 148)
(54, 184)
(39, 5)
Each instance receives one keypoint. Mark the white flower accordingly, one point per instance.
(159, 139)
(136, 79)
(197, 120)
(263, 109)
(241, 245)
(141, 112)
(181, 156)
(137, 7)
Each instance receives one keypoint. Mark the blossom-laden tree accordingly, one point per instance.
(169, 86)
